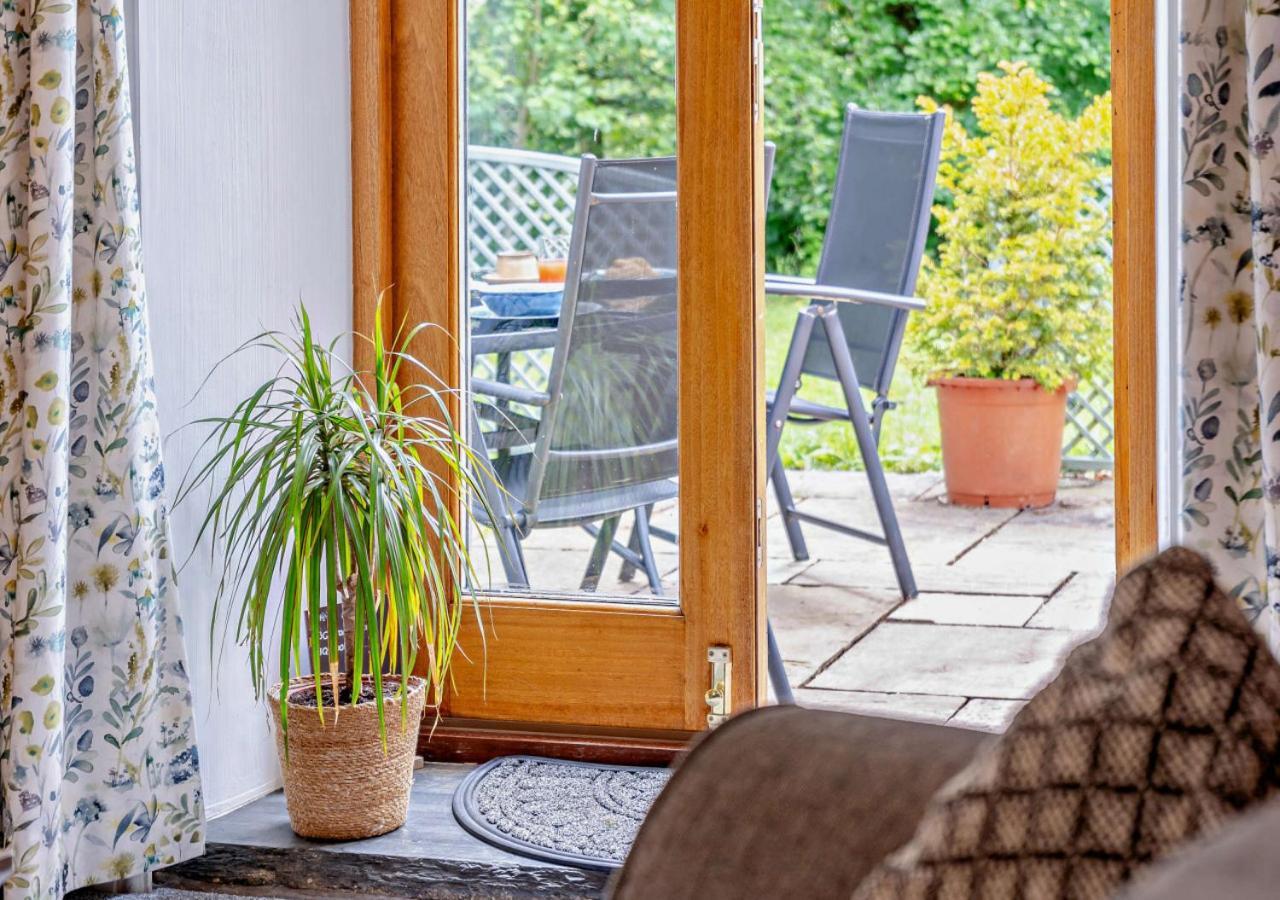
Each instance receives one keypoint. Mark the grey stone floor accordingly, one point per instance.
(166, 894)
(253, 851)
(1004, 594)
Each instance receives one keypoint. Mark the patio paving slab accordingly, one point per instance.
(933, 533)
(951, 660)
(813, 626)
(958, 579)
(782, 571)
(1076, 531)
(968, 609)
(987, 714)
(1026, 558)
(924, 516)
(812, 482)
(825, 545)
(1081, 605)
(1032, 532)
(821, 543)
(912, 707)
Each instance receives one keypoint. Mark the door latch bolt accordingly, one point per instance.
(720, 695)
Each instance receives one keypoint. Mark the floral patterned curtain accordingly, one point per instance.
(98, 767)
(1230, 108)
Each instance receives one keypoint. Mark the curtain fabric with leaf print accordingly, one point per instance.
(99, 775)
(1230, 121)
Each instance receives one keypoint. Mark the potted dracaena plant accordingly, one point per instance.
(333, 497)
(1019, 296)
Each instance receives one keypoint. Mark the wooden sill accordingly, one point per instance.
(473, 740)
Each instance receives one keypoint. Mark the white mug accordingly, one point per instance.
(517, 265)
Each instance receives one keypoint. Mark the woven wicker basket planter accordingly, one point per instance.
(338, 784)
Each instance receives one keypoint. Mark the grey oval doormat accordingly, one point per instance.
(573, 813)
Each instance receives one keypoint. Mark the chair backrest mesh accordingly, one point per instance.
(612, 425)
(876, 234)
(612, 422)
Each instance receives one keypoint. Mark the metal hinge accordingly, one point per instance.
(720, 694)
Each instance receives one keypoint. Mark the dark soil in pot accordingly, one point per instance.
(307, 696)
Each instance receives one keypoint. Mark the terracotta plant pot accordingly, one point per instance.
(1001, 441)
(338, 782)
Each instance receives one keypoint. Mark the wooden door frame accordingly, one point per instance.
(407, 173)
(408, 179)
(1137, 289)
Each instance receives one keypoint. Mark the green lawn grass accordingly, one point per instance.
(909, 442)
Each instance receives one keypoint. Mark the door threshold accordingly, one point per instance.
(476, 740)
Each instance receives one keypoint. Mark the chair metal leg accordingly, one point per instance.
(513, 564)
(787, 508)
(499, 511)
(637, 554)
(879, 407)
(870, 455)
(788, 383)
(600, 553)
(641, 534)
(778, 672)
(633, 544)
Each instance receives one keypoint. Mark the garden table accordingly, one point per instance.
(504, 335)
(501, 336)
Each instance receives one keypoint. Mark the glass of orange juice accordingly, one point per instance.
(552, 269)
(553, 261)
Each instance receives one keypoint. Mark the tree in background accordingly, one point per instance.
(572, 76)
(598, 76)
(883, 55)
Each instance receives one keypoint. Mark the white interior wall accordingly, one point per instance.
(244, 123)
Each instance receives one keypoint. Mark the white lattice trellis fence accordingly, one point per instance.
(1090, 435)
(517, 197)
(514, 199)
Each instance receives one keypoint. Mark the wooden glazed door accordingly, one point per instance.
(576, 674)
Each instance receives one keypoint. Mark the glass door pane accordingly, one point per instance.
(571, 296)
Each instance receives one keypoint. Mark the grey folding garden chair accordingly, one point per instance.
(852, 332)
(628, 567)
(603, 442)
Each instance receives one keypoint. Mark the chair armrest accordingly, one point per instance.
(788, 287)
(790, 802)
(500, 391)
(787, 279)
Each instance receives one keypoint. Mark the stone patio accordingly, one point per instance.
(1004, 594)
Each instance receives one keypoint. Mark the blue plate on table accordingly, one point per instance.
(520, 300)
